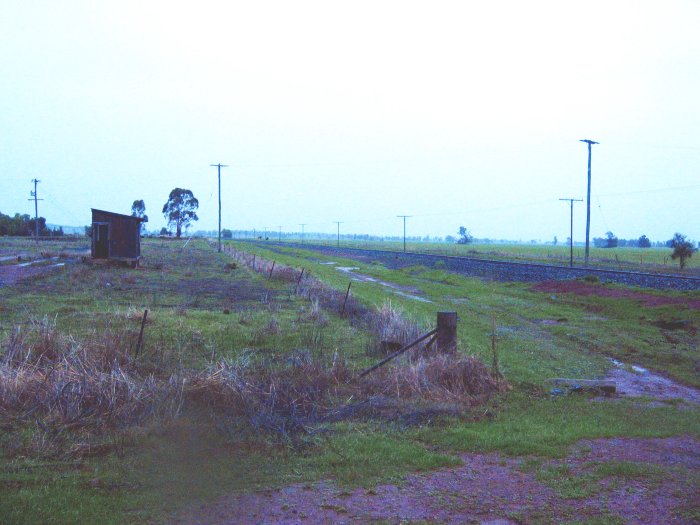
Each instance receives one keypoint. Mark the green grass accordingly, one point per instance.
(548, 427)
(187, 288)
(529, 351)
(361, 456)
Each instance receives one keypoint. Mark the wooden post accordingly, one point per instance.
(446, 331)
(253, 262)
(272, 269)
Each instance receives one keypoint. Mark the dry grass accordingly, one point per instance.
(285, 401)
(71, 394)
(305, 285)
(279, 400)
(439, 378)
(392, 329)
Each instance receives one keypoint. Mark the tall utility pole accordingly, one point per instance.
(588, 199)
(36, 210)
(571, 229)
(338, 223)
(302, 232)
(219, 166)
(404, 230)
(280, 236)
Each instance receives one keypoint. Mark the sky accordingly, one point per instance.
(466, 113)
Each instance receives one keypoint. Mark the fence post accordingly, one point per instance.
(446, 337)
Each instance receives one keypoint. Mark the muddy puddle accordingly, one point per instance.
(403, 291)
(635, 381)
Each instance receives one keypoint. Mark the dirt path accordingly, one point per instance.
(489, 488)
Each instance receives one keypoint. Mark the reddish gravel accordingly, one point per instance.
(587, 289)
(488, 488)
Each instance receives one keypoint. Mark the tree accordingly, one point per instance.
(226, 234)
(644, 242)
(683, 249)
(180, 209)
(610, 240)
(164, 232)
(464, 236)
(138, 209)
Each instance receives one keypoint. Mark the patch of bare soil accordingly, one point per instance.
(587, 289)
(489, 488)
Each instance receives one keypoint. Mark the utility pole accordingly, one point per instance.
(404, 230)
(302, 232)
(571, 229)
(280, 236)
(588, 200)
(36, 210)
(219, 166)
(338, 223)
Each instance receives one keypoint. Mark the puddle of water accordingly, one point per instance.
(642, 382)
(36, 261)
(350, 270)
(414, 297)
(328, 262)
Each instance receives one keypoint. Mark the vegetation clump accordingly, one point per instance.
(683, 249)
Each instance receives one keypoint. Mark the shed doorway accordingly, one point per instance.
(101, 232)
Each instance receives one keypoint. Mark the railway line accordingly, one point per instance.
(505, 270)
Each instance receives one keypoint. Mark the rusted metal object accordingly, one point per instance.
(346, 298)
(398, 352)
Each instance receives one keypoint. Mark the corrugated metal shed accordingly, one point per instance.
(116, 236)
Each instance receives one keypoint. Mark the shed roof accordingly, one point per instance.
(141, 219)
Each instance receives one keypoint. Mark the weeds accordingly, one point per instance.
(62, 397)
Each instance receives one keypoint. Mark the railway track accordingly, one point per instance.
(506, 270)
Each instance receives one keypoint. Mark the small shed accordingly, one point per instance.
(116, 236)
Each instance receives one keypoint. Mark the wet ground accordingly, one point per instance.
(489, 488)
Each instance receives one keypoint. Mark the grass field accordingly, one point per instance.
(205, 311)
(655, 260)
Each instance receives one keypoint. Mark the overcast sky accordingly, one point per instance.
(457, 113)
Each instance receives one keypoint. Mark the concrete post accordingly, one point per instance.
(446, 337)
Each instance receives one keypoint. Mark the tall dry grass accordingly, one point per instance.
(72, 393)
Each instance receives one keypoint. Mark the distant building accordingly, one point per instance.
(116, 236)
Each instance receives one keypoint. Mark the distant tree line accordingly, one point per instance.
(24, 226)
(611, 241)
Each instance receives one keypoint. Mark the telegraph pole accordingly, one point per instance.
(404, 230)
(302, 232)
(219, 166)
(36, 210)
(338, 223)
(588, 199)
(280, 236)
(571, 229)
